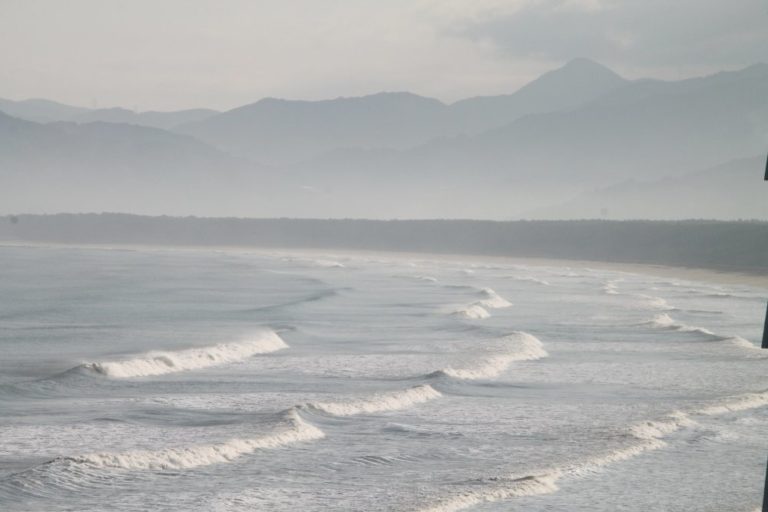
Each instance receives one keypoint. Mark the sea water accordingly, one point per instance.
(225, 380)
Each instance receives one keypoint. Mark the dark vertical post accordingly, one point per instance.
(766, 169)
(765, 336)
(765, 493)
(765, 330)
(765, 345)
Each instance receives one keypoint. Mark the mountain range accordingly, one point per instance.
(578, 141)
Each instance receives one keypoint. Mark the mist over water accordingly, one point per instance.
(161, 379)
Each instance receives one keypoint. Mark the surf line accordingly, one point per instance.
(518, 346)
(647, 436)
(478, 310)
(294, 430)
(163, 362)
(665, 322)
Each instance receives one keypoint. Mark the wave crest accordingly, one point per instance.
(519, 346)
(657, 302)
(736, 404)
(501, 490)
(664, 321)
(159, 363)
(296, 430)
(379, 403)
(530, 279)
(611, 287)
(646, 436)
(492, 299)
(472, 312)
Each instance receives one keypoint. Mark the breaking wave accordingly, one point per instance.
(736, 404)
(657, 302)
(645, 436)
(742, 342)
(530, 279)
(428, 279)
(473, 312)
(328, 264)
(498, 491)
(379, 403)
(159, 363)
(477, 310)
(320, 262)
(664, 321)
(611, 287)
(296, 430)
(491, 299)
(518, 346)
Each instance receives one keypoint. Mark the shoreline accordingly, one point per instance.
(734, 277)
(714, 276)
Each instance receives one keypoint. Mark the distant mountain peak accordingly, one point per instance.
(582, 66)
(583, 61)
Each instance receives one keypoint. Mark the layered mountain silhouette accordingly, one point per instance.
(66, 166)
(40, 110)
(46, 111)
(280, 131)
(728, 192)
(562, 145)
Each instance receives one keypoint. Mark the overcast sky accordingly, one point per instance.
(173, 54)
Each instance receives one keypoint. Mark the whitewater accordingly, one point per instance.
(237, 380)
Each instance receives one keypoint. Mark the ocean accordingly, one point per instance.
(158, 379)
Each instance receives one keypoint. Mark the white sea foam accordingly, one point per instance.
(518, 346)
(296, 430)
(611, 287)
(473, 312)
(647, 436)
(651, 433)
(499, 490)
(736, 403)
(660, 428)
(158, 363)
(742, 342)
(664, 321)
(656, 302)
(477, 310)
(492, 299)
(428, 279)
(380, 402)
(328, 264)
(530, 279)
(323, 263)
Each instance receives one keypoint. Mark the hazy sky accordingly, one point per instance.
(172, 54)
